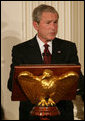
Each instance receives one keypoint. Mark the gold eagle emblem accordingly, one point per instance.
(47, 89)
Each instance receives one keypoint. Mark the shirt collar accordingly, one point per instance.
(39, 42)
(42, 43)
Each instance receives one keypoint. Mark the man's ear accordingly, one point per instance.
(35, 24)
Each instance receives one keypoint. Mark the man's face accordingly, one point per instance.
(48, 26)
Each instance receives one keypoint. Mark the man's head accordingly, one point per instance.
(45, 21)
(37, 12)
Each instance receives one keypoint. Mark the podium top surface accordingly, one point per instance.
(37, 69)
(47, 66)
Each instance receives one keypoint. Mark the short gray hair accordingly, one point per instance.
(37, 12)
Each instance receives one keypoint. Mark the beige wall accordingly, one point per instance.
(16, 27)
(11, 34)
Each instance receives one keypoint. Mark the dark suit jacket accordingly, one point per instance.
(64, 52)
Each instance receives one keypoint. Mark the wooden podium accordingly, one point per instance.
(36, 71)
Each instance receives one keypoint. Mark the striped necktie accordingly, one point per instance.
(46, 55)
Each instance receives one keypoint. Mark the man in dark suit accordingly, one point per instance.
(45, 21)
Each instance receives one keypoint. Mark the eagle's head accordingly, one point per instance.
(47, 73)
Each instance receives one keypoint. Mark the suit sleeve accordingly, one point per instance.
(16, 60)
(73, 55)
(75, 59)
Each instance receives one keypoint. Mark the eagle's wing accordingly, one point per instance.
(65, 85)
(31, 86)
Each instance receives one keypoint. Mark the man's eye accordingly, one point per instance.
(48, 23)
(56, 22)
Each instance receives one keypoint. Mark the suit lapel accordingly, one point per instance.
(57, 52)
(36, 51)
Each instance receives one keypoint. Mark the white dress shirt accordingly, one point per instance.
(41, 45)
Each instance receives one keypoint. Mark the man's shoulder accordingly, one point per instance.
(63, 41)
(25, 44)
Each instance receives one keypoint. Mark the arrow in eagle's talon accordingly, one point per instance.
(43, 103)
(51, 102)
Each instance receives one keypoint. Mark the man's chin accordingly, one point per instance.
(51, 38)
